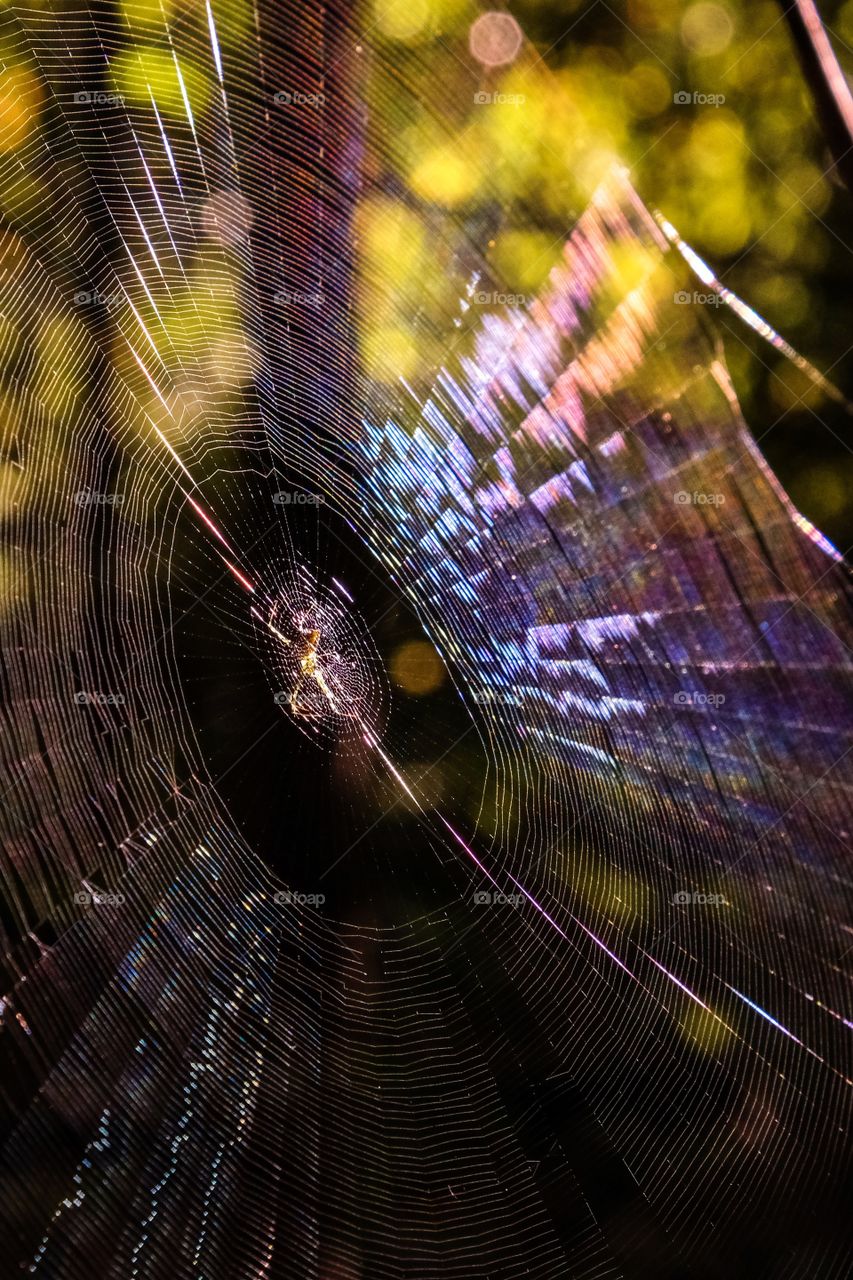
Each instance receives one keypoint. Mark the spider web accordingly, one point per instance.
(580, 1007)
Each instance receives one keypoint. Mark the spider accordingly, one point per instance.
(310, 669)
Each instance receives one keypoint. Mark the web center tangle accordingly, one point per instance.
(326, 672)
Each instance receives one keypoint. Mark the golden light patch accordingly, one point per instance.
(417, 669)
(144, 72)
(390, 353)
(445, 175)
(20, 100)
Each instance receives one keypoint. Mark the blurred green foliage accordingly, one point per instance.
(706, 104)
(704, 101)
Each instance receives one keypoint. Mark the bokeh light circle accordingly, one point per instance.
(707, 29)
(495, 39)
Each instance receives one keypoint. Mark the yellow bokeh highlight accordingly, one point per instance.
(791, 389)
(410, 21)
(774, 127)
(707, 29)
(843, 24)
(231, 361)
(390, 353)
(14, 584)
(781, 240)
(743, 370)
(612, 892)
(15, 480)
(703, 1029)
(824, 491)
(20, 102)
(513, 140)
(392, 245)
(401, 19)
(234, 19)
(21, 194)
(388, 228)
(624, 896)
(10, 341)
(717, 143)
(143, 70)
(524, 258)
(806, 183)
(724, 222)
(416, 668)
(446, 175)
(11, 478)
(64, 354)
(197, 315)
(783, 299)
(654, 14)
(146, 13)
(630, 265)
(647, 90)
